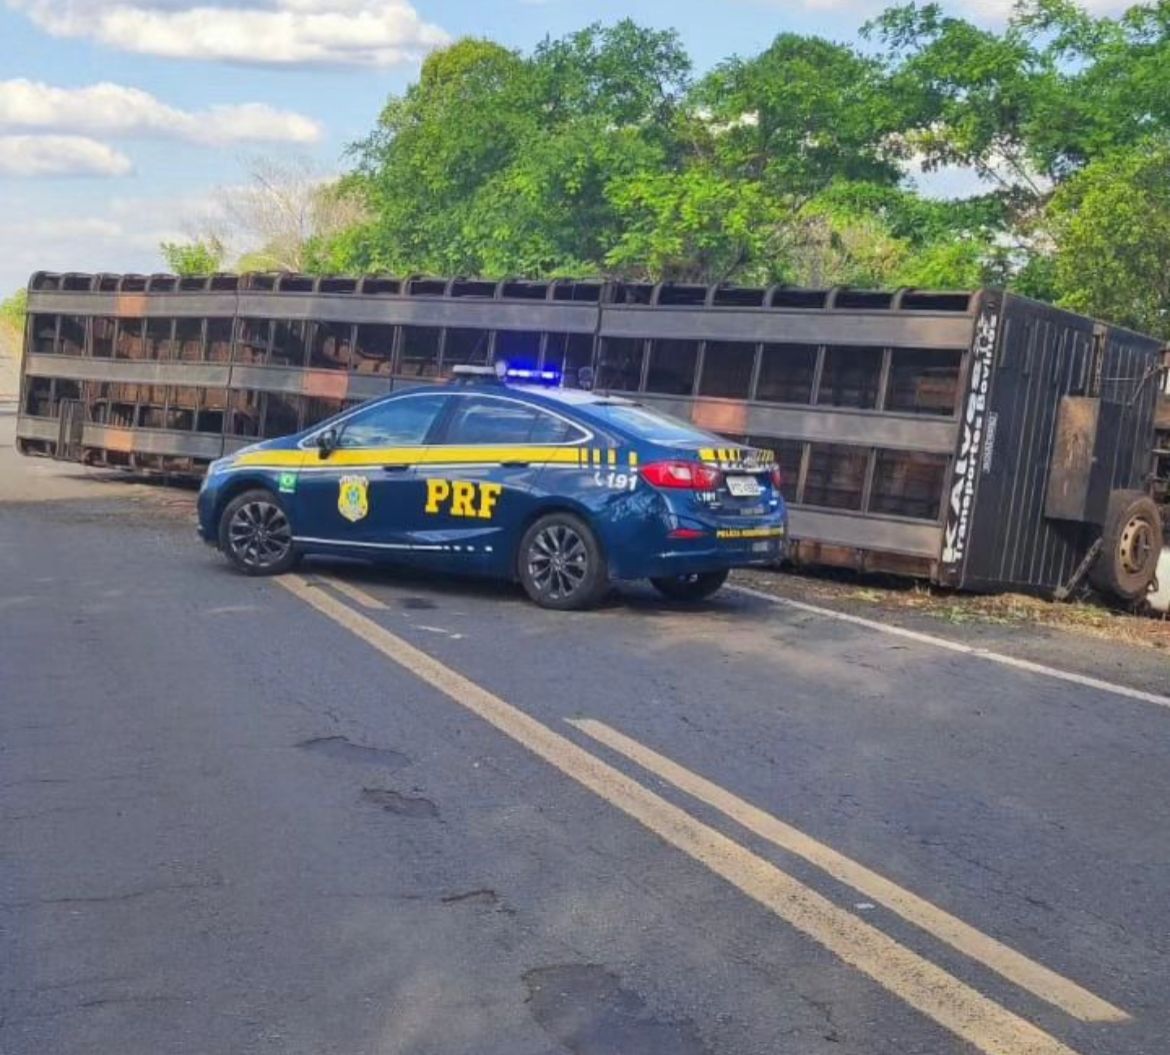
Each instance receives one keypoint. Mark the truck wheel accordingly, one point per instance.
(697, 587)
(1131, 542)
(560, 564)
(255, 534)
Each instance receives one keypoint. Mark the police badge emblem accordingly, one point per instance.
(353, 500)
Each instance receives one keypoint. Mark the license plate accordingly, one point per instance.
(762, 547)
(744, 486)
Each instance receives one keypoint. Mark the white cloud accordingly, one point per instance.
(256, 32)
(116, 235)
(29, 156)
(991, 13)
(113, 109)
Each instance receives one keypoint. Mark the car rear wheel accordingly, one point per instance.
(560, 564)
(255, 534)
(695, 587)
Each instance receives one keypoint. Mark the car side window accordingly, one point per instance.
(396, 423)
(478, 420)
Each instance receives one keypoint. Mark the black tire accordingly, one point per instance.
(1131, 543)
(697, 587)
(560, 564)
(255, 534)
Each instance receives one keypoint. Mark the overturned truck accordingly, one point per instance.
(978, 439)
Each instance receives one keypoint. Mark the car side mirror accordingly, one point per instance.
(327, 442)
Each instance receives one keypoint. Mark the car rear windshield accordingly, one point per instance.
(650, 425)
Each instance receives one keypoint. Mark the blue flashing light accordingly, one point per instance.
(546, 377)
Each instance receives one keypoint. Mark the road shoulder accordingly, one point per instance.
(1083, 639)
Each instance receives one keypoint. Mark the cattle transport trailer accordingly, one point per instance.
(981, 440)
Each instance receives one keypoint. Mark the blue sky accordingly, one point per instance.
(119, 119)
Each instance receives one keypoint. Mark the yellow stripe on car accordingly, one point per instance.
(776, 532)
(440, 455)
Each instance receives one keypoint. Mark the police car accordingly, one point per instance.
(564, 489)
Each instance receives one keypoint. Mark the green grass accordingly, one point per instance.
(12, 310)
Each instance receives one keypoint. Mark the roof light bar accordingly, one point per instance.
(550, 377)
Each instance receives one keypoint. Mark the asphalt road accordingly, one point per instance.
(363, 812)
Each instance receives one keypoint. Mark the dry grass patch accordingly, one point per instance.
(879, 595)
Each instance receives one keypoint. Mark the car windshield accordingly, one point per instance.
(651, 425)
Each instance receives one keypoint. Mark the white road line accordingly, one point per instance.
(968, 650)
(438, 630)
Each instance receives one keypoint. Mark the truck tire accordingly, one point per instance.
(1131, 542)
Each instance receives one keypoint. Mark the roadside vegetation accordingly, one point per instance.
(12, 310)
(605, 153)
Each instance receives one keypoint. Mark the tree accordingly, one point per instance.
(622, 75)
(1111, 224)
(279, 220)
(285, 208)
(433, 151)
(596, 154)
(801, 114)
(14, 308)
(203, 256)
(971, 97)
(695, 226)
(495, 163)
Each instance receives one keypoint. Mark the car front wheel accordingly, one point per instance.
(255, 534)
(560, 564)
(696, 587)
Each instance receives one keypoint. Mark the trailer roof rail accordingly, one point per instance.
(587, 291)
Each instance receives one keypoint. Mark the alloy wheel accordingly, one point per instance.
(558, 561)
(259, 534)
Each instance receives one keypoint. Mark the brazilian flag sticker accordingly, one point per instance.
(288, 483)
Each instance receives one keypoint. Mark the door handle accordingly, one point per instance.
(395, 468)
(515, 465)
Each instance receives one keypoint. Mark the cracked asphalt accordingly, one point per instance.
(230, 825)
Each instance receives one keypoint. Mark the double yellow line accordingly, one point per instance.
(940, 996)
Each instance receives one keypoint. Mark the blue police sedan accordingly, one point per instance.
(563, 489)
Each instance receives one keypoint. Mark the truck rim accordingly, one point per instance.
(1137, 544)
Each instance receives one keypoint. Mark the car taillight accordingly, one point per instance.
(687, 476)
(777, 479)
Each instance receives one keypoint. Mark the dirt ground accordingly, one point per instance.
(915, 603)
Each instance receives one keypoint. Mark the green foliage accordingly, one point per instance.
(494, 163)
(803, 113)
(203, 257)
(599, 154)
(258, 260)
(967, 96)
(621, 75)
(694, 226)
(14, 308)
(1112, 225)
